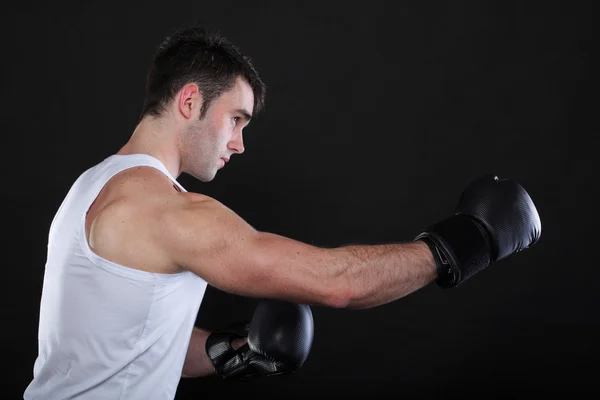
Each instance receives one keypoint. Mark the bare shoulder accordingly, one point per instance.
(140, 180)
(144, 223)
(121, 224)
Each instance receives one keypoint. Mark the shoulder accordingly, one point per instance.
(126, 219)
(146, 191)
(146, 186)
(140, 180)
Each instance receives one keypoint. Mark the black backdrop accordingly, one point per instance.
(378, 113)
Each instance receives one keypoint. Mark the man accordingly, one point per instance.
(130, 251)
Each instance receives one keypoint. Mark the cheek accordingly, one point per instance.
(226, 135)
(220, 132)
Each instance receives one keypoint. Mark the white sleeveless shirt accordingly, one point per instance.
(107, 331)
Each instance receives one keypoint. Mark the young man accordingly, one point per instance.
(130, 251)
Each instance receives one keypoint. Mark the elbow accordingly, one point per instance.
(303, 277)
(337, 290)
(339, 301)
(337, 296)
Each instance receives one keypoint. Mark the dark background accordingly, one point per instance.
(378, 114)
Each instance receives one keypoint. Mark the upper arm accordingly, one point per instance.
(203, 236)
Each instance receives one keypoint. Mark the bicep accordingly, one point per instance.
(212, 241)
(208, 239)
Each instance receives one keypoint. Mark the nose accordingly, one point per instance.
(237, 143)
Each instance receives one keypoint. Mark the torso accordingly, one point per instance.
(115, 222)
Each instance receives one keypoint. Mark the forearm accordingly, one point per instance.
(354, 276)
(379, 274)
(197, 363)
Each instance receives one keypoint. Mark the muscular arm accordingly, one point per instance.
(207, 238)
(379, 274)
(196, 362)
(357, 276)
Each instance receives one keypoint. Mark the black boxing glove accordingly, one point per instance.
(494, 218)
(280, 337)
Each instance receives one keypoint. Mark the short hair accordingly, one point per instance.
(206, 58)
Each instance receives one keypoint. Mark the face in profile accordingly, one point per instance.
(209, 143)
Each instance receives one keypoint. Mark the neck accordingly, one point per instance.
(156, 138)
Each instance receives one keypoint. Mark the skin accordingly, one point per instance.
(169, 232)
(183, 142)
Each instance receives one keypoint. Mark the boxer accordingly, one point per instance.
(130, 251)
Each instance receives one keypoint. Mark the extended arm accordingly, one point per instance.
(207, 238)
(494, 218)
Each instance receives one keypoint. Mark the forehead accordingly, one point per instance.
(239, 96)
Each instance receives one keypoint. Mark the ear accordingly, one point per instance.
(190, 100)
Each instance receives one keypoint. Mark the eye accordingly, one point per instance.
(235, 120)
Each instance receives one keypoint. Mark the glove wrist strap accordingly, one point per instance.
(460, 247)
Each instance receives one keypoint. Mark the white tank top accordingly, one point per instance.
(107, 331)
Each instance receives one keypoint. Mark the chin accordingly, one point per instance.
(205, 177)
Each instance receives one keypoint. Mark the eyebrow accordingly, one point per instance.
(245, 113)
